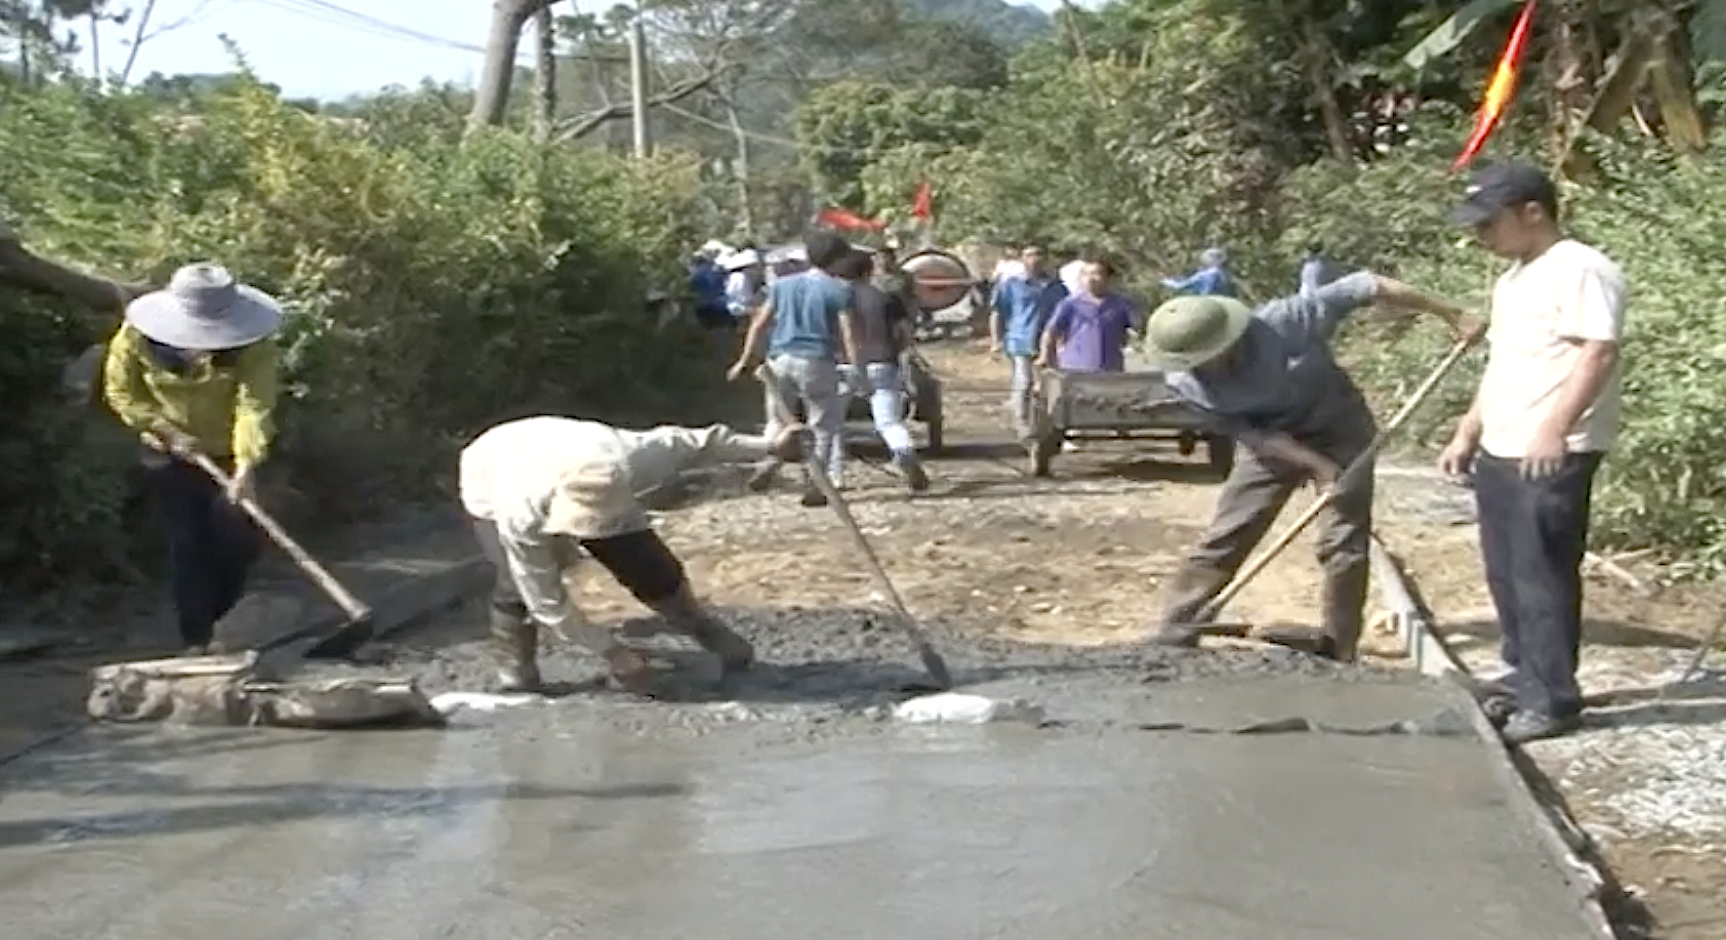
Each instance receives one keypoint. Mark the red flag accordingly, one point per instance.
(1499, 90)
(839, 218)
(923, 207)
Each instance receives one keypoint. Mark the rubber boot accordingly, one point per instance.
(685, 615)
(1299, 638)
(515, 641)
(1188, 593)
(910, 466)
(1344, 599)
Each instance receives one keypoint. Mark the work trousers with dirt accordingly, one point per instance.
(1533, 534)
(1020, 395)
(887, 406)
(1254, 494)
(815, 383)
(640, 561)
(212, 545)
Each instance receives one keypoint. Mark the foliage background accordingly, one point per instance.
(434, 287)
(440, 282)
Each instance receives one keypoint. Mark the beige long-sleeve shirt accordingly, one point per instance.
(535, 476)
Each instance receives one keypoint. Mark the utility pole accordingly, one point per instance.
(638, 85)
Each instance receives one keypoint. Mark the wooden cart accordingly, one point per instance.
(1116, 406)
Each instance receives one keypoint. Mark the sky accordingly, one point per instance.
(319, 48)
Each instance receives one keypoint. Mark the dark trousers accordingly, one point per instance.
(1532, 537)
(1253, 496)
(640, 561)
(212, 545)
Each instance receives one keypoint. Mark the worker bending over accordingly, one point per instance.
(1267, 378)
(542, 490)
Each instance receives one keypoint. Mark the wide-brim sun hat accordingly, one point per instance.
(204, 309)
(1188, 332)
(748, 257)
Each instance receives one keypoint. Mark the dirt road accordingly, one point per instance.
(992, 555)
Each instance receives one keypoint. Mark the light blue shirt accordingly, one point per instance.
(806, 310)
(1212, 281)
(1024, 305)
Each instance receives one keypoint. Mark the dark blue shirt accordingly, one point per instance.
(806, 309)
(707, 282)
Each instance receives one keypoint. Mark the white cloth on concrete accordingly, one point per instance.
(546, 479)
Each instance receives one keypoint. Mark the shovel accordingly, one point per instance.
(932, 661)
(1257, 565)
(351, 635)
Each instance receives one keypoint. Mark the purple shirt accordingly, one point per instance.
(1091, 333)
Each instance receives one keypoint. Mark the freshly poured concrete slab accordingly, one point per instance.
(552, 824)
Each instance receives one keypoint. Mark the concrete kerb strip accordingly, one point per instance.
(1563, 839)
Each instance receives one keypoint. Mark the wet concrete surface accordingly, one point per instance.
(789, 803)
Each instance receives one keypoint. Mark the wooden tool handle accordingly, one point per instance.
(818, 473)
(1257, 565)
(349, 604)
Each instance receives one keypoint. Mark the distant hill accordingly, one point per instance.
(1010, 24)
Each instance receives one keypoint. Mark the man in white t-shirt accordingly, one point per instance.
(1546, 413)
(1072, 275)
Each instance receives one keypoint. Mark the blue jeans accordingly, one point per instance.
(887, 406)
(1020, 393)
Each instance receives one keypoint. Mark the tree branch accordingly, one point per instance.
(593, 120)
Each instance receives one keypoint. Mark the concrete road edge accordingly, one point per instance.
(1559, 833)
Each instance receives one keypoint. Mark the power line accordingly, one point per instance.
(770, 139)
(752, 135)
(332, 14)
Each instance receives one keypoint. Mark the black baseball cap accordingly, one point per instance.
(1502, 186)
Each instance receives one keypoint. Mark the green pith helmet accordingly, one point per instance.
(1188, 332)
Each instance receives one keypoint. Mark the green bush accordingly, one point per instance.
(435, 286)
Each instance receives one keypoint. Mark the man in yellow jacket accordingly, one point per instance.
(542, 491)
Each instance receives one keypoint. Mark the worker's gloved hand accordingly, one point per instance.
(172, 440)
(788, 446)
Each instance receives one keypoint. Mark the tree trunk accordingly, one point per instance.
(1569, 74)
(19, 268)
(1317, 53)
(745, 200)
(491, 98)
(1674, 89)
(545, 74)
